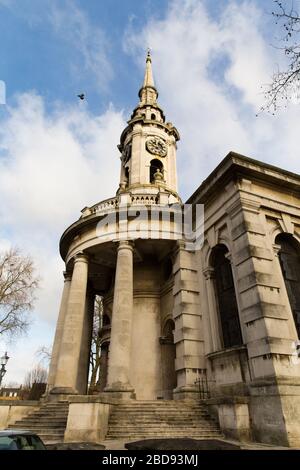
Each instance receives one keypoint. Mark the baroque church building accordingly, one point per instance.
(213, 324)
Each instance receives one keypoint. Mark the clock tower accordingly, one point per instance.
(148, 147)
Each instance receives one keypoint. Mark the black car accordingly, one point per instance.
(19, 439)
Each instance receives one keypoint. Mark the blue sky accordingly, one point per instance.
(58, 154)
(38, 53)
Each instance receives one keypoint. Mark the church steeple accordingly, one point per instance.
(148, 93)
(148, 146)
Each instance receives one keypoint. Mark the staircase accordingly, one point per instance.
(49, 422)
(161, 419)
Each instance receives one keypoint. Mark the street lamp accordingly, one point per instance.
(3, 363)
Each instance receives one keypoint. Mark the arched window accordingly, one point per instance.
(154, 166)
(226, 298)
(168, 357)
(289, 257)
(153, 117)
(168, 331)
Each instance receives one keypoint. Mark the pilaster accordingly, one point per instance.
(188, 335)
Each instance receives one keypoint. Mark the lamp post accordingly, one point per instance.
(3, 363)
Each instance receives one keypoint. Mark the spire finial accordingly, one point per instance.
(148, 58)
(148, 93)
(148, 80)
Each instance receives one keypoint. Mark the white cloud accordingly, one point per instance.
(51, 167)
(88, 41)
(209, 72)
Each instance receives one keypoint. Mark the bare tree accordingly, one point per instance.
(95, 346)
(34, 383)
(34, 376)
(285, 84)
(17, 286)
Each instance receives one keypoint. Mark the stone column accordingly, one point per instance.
(213, 319)
(101, 384)
(120, 344)
(86, 340)
(59, 330)
(69, 356)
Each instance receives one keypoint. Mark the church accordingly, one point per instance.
(211, 323)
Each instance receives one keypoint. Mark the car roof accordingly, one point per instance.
(13, 432)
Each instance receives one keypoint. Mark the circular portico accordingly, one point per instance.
(130, 274)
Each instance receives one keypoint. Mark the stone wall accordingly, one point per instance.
(247, 204)
(11, 412)
(87, 422)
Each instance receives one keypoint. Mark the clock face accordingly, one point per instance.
(156, 146)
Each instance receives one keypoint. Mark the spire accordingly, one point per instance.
(148, 93)
(148, 80)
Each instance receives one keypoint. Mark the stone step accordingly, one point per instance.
(39, 425)
(119, 415)
(36, 426)
(44, 415)
(52, 410)
(163, 433)
(47, 407)
(155, 410)
(42, 433)
(169, 407)
(130, 427)
(154, 413)
(44, 421)
(55, 405)
(58, 423)
(140, 420)
(45, 418)
(161, 429)
(199, 435)
(142, 423)
(54, 432)
(49, 422)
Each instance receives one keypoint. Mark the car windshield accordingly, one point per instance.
(21, 442)
(8, 443)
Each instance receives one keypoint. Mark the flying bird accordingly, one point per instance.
(81, 96)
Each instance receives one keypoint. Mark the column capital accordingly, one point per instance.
(81, 257)
(276, 249)
(209, 273)
(180, 245)
(125, 245)
(67, 276)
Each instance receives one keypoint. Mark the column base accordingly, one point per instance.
(186, 393)
(120, 391)
(63, 391)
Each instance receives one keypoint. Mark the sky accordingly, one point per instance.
(59, 154)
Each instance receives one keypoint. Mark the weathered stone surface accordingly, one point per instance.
(176, 314)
